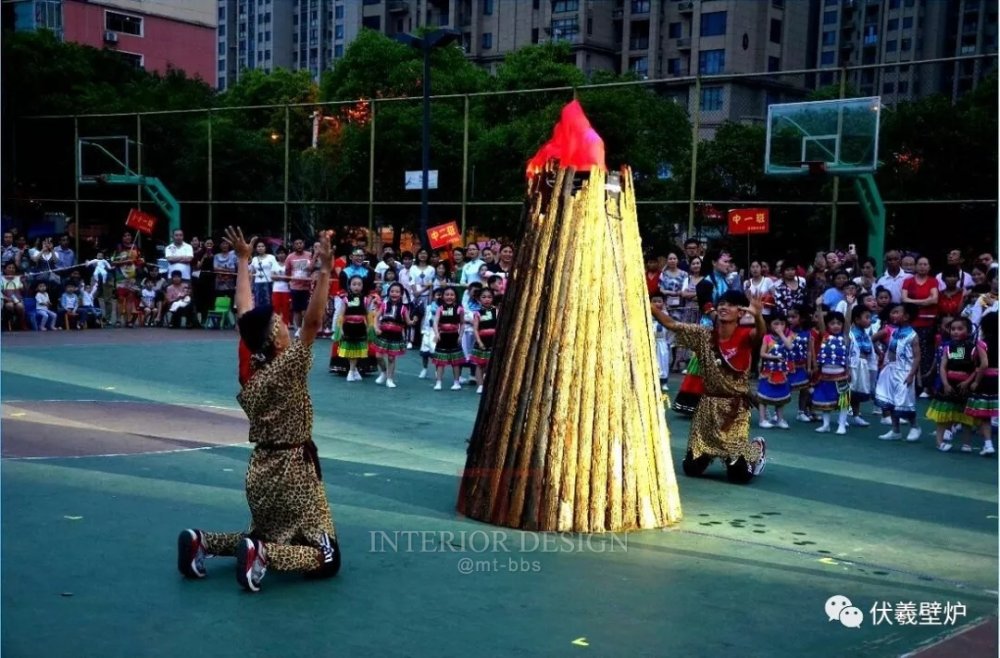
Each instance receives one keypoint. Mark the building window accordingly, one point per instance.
(535, 4)
(830, 18)
(830, 38)
(565, 5)
(115, 22)
(830, 3)
(222, 13)
(639, 66)
(222, 30)
(893, 4)
(904, 87)
(905, 45)
(267, 54)
(487, 7)
(907, 22)
(890, 46)
(222, 65)
(711, 99)
(590, 27)
(674, 66)
(487, 41)
(711, 61)
(775, 30)
(640, 6)
(222, 48)
(338, 32)
(338, 11)
(565, 28)
(674, 31)
(534, 35)
(338, 50)
(773, 64)
(892, 25)
(889, 88)
(826, 58)
(372, 22)
(222, 83)
(713, 24)
(133, 59)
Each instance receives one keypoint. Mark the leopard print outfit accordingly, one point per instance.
(721, 423)
(288, 505)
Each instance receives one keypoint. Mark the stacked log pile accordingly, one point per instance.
(571, 434)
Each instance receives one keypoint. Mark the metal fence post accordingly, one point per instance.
(465, 165)
(76, 182)
(371, 174)
(284, 230)
(138, 157)
(211, 205)
(836, 179)
(694, 154)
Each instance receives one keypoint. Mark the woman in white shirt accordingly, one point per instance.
(758, 285)
(421, 276)
(281, 295)
(262, 269)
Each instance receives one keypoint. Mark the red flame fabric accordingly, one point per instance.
(574, 143)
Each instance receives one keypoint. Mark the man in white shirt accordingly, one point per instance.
(894, 276)
(470, 270)
(964, 278)
(388, 260)
(179, 255)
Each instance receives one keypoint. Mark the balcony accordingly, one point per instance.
(684, 43)
(686, 7)
(617, 14)
(640, 6)
(398, 7)
(639, 43)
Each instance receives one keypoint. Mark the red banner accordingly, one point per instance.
(749, 221)
(443, 235)
(141, 221)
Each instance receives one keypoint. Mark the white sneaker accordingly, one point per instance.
(841, 429)
(462, 381)
(409, 346)
(966, 448)
(783, 424)
(924, 395)
(479, 390)
(987, 451)
(423, 374)
(765, 424)
(390, 384)
(886, 420)
(803, 418)
(823, 429)
(437, 385)
(914, 434)
(381, 378)
(890, 436)
(860, 422)
(903, 421)
(944, 447)
(298, 333)
(352, 376)
(456, 387)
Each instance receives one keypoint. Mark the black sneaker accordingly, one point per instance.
(251, 564)
(191, 554)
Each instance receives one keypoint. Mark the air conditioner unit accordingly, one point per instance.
(110, 37)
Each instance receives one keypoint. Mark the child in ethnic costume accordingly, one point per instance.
(982, 404)
(862, 362)
(427, 324)
(832, 391)
(661, 343)
(470, 304)
(447, 328)
(961, 358)
(802, 366)
(291, 527)
(774, 389)
(895, 390)
(352, 330)
(484, 329)
(390, 338)
(721, 423)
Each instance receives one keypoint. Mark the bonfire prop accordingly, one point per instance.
(571, 434)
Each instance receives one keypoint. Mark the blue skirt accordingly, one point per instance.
(799, 378)
(777, 394)
(831, 395)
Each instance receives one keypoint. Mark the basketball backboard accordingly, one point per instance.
(835, 137)
(103, 155)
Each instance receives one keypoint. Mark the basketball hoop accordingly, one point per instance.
(816, 167)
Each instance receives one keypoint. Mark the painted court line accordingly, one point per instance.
(120, 454)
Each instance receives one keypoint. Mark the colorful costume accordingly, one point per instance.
(982, 402)
(962, 359)
(833, 389)
(862, 364)
(488, 318)
(773, 387)
(448, 351)
(721, 423)
(353, 343)
(392, 323)
(798, 372)
(709, 290)
(892, 393)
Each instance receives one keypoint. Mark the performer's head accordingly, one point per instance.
(656, 299)
(720, 260)
(264, 334)
(861, 317)
(449, 296)
(777, 323)
(834, 321)
(730, 305)
(486, 298)
(356, 285)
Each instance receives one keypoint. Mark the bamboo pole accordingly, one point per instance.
(571, 434)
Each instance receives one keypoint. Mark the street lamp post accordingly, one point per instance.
(425, 44)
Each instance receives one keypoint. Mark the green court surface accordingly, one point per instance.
(94, 494)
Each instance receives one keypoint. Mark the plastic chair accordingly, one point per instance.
(218, 317)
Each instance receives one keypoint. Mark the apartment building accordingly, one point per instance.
(898, 32)
(151, 35)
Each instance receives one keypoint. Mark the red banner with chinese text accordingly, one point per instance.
(443, 235)
(141, 221)
(749, 221)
